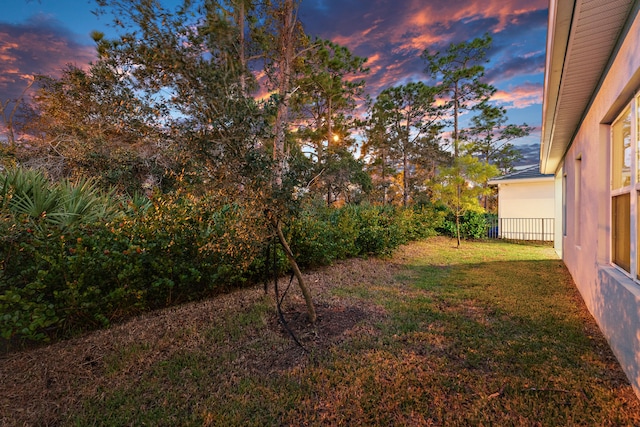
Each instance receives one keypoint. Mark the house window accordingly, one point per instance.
(621, 155)
(621, 231)
(625, 190)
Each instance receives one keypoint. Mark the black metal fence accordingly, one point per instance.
(534, 229)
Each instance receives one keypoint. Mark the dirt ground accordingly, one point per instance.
(41, 385)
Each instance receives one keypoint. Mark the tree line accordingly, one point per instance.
(232, 103)
(175, 98)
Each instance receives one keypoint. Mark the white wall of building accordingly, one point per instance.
(526, 199)
(610, 294)
(558, 212)
(526, 209)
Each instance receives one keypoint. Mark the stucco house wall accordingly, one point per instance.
(526, 199)
(525, 205)
(583, 191)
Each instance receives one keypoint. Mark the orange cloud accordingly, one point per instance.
(522, 96)
(426, 20)
(393, 38)
(505, 12)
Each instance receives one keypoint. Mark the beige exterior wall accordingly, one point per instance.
(526, 209)
(558, 212)
(526, 199)
(610, 294)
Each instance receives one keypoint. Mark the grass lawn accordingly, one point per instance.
(488, 334)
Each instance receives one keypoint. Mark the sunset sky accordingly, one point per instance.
(41, 36)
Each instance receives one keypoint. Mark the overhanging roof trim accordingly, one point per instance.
(581, 38)
(529, 174)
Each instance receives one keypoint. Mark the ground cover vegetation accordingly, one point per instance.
(165, 170)
(486, 334)
(75, 258)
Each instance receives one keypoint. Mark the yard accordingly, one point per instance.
(488, 334)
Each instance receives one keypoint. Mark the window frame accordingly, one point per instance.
(632, 189)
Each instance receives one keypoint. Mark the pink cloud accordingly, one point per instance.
(522, 96)
(394, 37)
(36, 48)
(426, 21)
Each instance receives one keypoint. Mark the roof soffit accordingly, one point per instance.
(582, 36)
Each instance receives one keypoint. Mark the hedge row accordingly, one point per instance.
(56, 279)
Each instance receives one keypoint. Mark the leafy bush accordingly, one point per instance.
(473, 225)
(322, 235)
(419, 222)
(378, 232)
(83, 259)
(60, 277)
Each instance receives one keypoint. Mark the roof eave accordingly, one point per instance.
(582, 42)
(560, 18)
(520, 180)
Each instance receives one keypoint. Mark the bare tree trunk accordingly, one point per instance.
(329, 141)
(329, 123)
(459, 190)
(285, 61)
(311, 311)
(278, 143)
(456, 154)
(405, 179)
(240, 16)
(285, 57)
(485, 185)
(384, 179)
(456, 148)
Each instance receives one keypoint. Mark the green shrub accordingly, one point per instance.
(321, 235)
(473, 225)
(312, 240)
(419, 222)
(111, 258)
(378, 233)
(28, 192)
(60, 277)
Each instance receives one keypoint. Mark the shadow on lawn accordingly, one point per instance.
(431, 337)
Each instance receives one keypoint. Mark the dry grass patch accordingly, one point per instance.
(491, 334)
